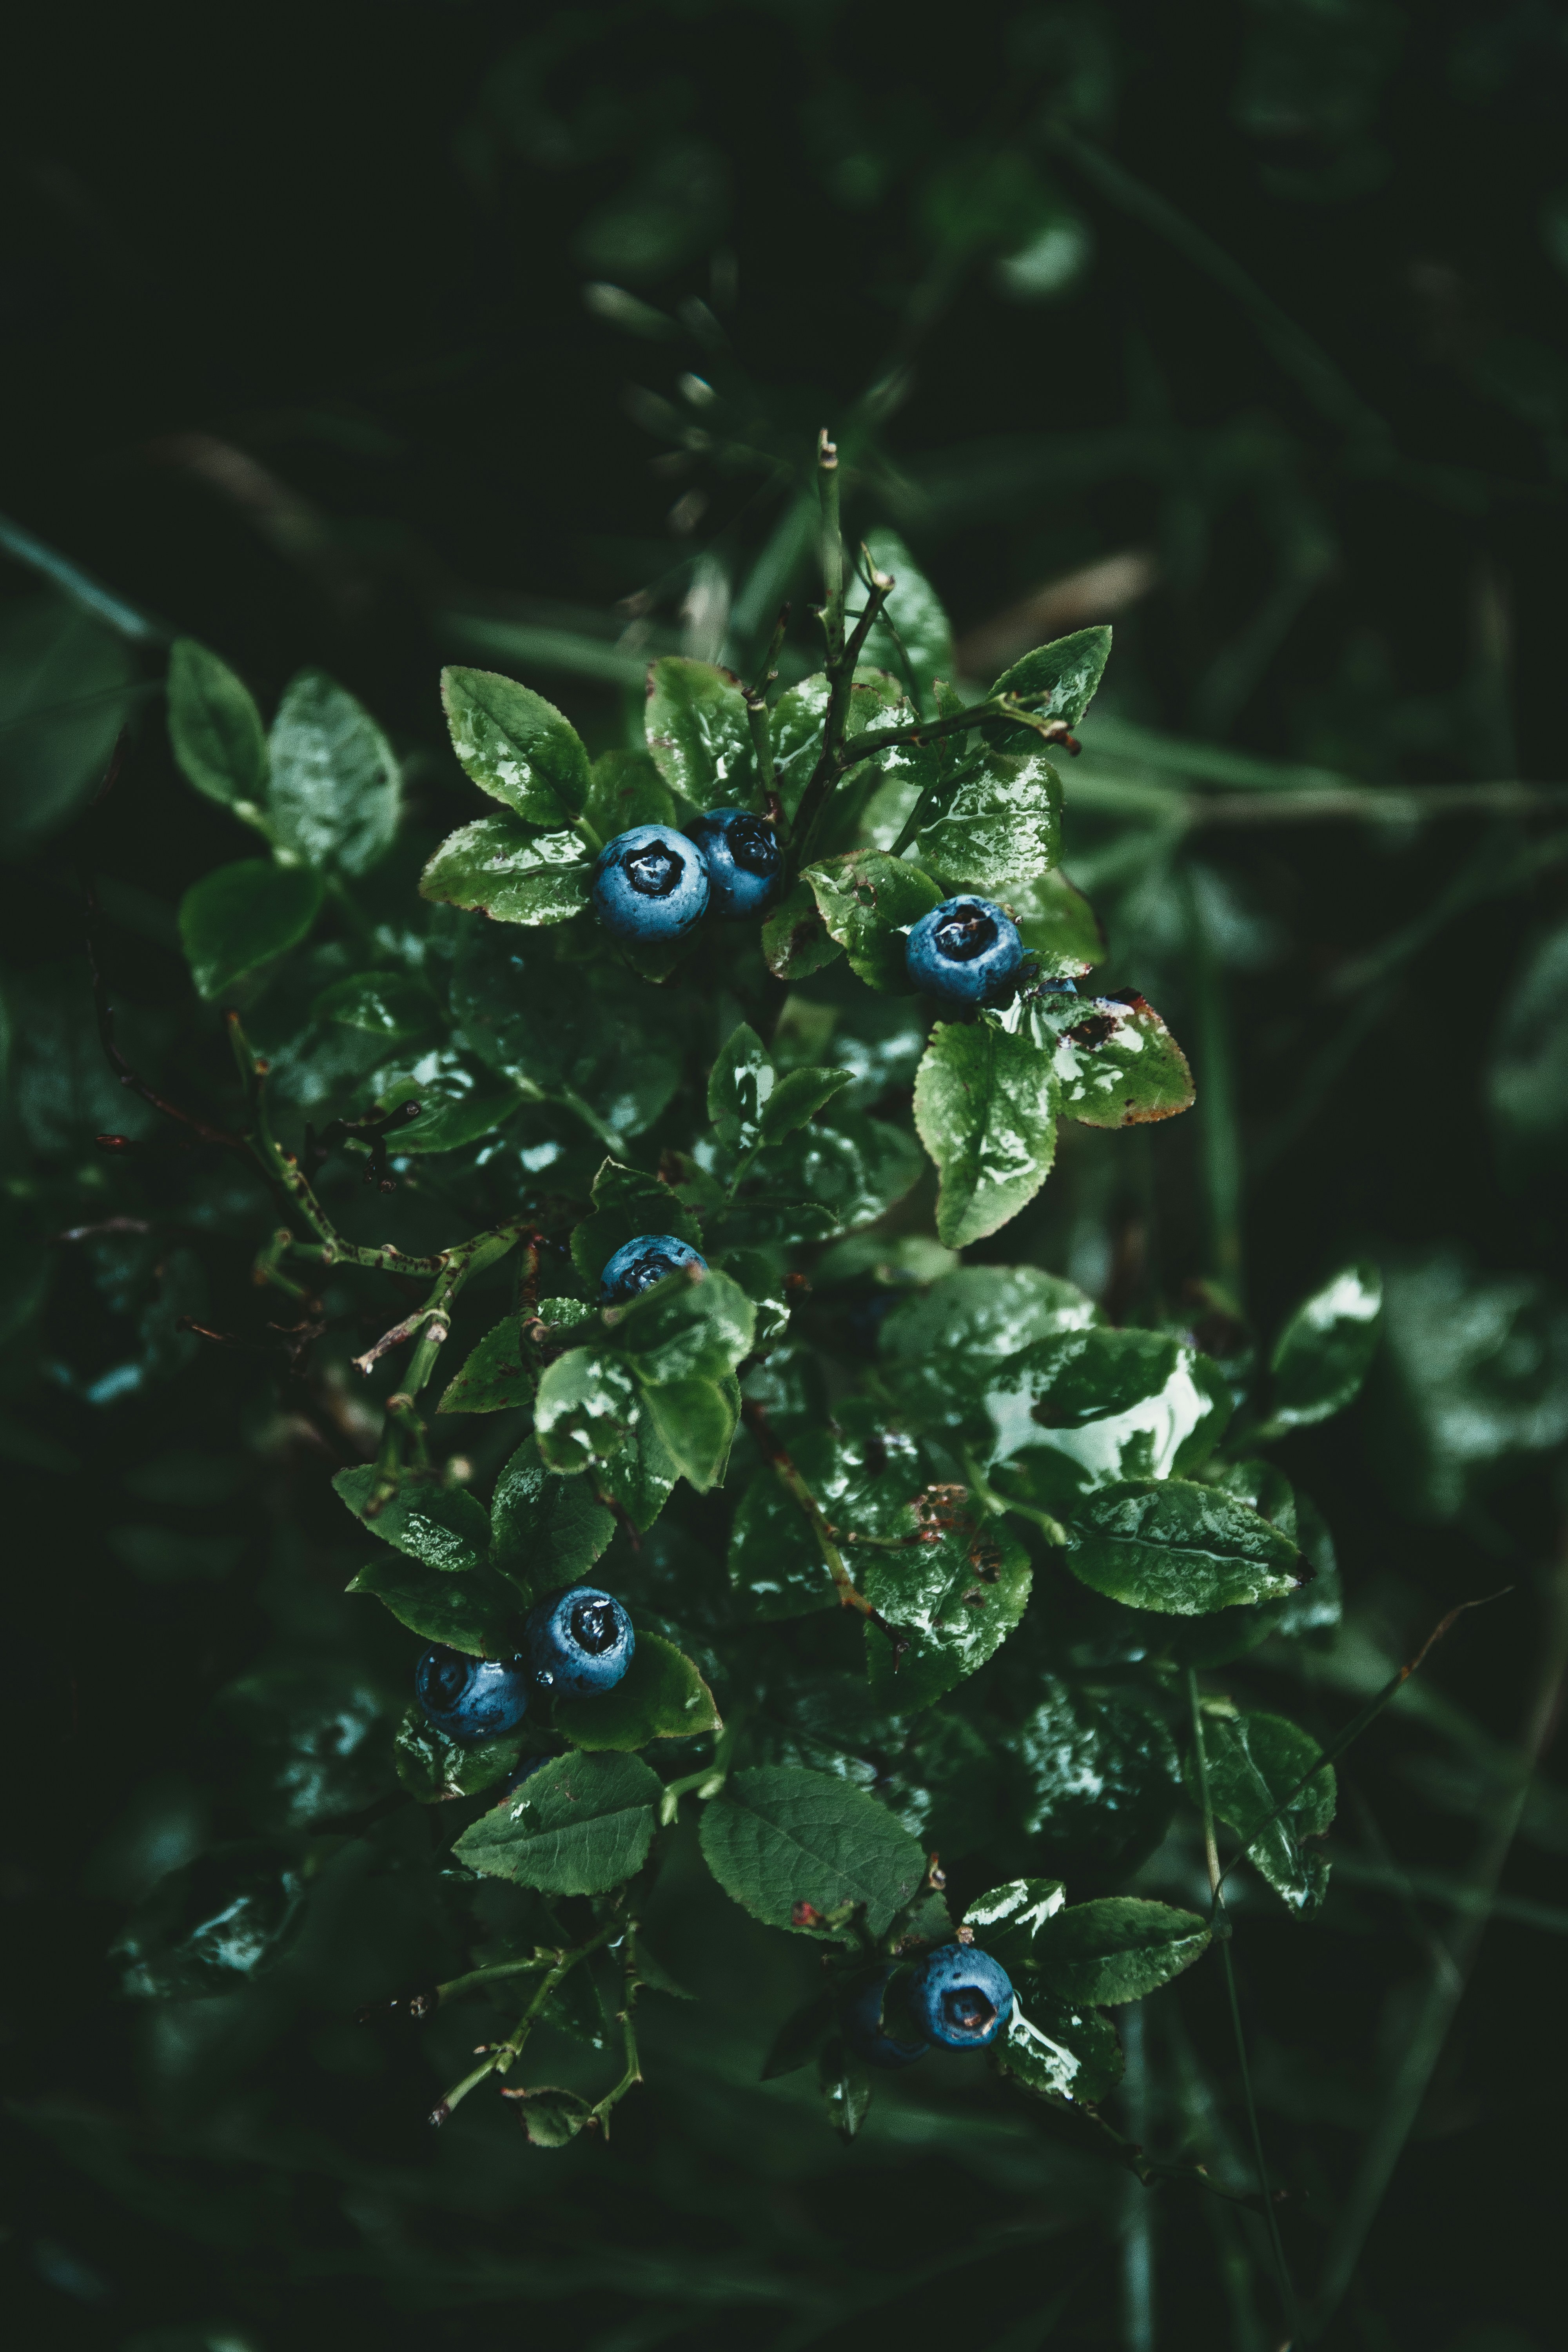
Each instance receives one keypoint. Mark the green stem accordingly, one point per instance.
(633, 2070)
(505, 2054)
(1218, 1131)
(592, 841)
(1220, 1922)
(997, 1505)
(827, 491)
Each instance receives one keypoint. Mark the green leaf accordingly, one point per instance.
(570, 1031)
(739, 1083)
(957, 1599)
(494, 1378)
(846, 2086)
(1001, 828)
(941, 1354)
(66, 684)
(1085, 1407)
(1117, 1949)
(334, 793)
(700, 734)
(626, 789)
(458, 1102)
(661, 1696)
(985, 1110)
(795, 940)
(1116, 1063)
(516, 746)
(554, 2117)
(215, 727)
(774, 1555)
(476, 1611)
(800, 2037)
(781, 1837)
(546, 1530)
(627, 1205)
(1178, 1547)
(695, 1420)
(517, 873)
(238, 918)
(1007, 1919)
(1092, 1779)
(1253, 1761)
(1066, 672)
(868, 902)
(1057, 925)
(826, 1178)
(683, 1328)
(1056, 2050)
(1323, 1355)
(432, 1767)
(442, 1525)
(390, 1004)
(587, 1409)
(210, 1927)
(580, 1825)
(913, 639)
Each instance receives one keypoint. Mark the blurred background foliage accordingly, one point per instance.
(370, 335)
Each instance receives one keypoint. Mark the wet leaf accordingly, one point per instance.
(1057, 2050)
(781, 1837)
(516, 746)
(1057, 925)
(550, 2117)
(1116, 1063)
(1116, 1949)
(957, 1600)
(941, 1354)
(661, 1696)
(626, 790)
(433, 1768)
(829, 1176)
(580, 1825)
(458, 1102)
(546, 1529)
(1085, 1407)
(390, 1004)
(1001, 828)
(913, 640)
(795, 941)
(66, 684)
(846, 2087)
(211, 1926)
(239, 916)
(700, 735)
(1091, 1780)
(215, 727)
(1253, 1761)
(442, 1525)
(694, 1419)
(1067, 671)
(1176, 1547)
(517, 873)
(986, 1103)
(334, 791)
(626, 1206)
(1006, 1920)
(494, 1378)
(868, 902)
(476, 1611)
(1323, 1355)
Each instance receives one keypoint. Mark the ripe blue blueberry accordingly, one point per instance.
(742, 853)
(471, 1698)
(865, 2033)
(579, 1640)
(651, 884)
(960, 1996)
(638, 1264)
(965, 951)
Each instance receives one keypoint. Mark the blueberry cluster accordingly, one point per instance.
(579, 1640)
(956, 1997)
(654, 884)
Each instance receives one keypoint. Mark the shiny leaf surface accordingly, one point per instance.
(986, 1103)
(578, 1826)
(1001, 828)
(661, 1696)
(1253, 1761)
(699, 733)
(516, 746)
(868, 902)
(334, 790)
(781, 1837)
(516, 872)
(1323, 1355)
(1176, 1547)
(239, 916)
(215, 727)
(1117, 1949)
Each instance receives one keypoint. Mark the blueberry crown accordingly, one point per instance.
(654, 870)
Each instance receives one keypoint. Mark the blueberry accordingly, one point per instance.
(471, 1698)
(965, 951)
(742, 853)
(579, 1640)
(651, 884)
(960, 1996)
(865, 2033)
(638, 1264)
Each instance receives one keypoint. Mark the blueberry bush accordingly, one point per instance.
(767, 1327)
